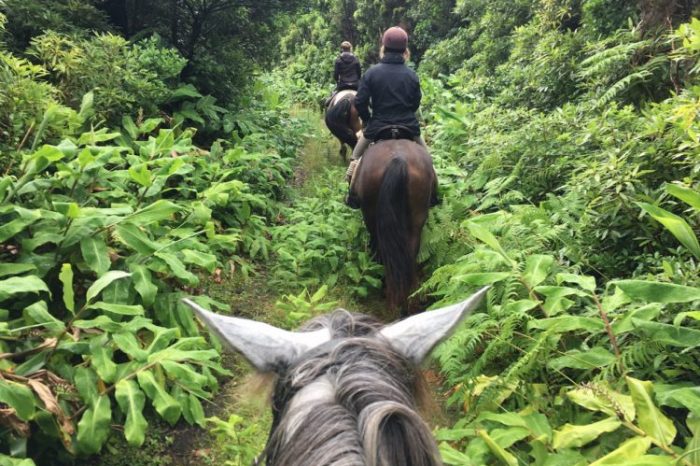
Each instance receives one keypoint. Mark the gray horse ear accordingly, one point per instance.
(416, 336)
(267, 348)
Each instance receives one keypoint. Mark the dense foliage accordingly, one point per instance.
(565, 135)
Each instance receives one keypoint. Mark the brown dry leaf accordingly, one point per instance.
(8, 418)
(51, 403)
(44, 393)
(217, 276)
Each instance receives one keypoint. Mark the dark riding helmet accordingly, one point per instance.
(395, 39)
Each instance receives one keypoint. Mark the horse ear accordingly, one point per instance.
(416, 336)
(267, 348)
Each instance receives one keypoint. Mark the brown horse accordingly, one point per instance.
(395, 184)
(343, 120)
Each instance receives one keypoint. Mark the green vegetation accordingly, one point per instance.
(144, 156)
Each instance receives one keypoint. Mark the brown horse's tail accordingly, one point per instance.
(338, 122)
(393, 232)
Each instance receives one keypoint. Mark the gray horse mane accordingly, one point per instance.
(350, 402)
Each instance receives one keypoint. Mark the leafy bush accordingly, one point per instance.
(101, 236)
(124, 77)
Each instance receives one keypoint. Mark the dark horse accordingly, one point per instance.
(396, 184)
(347, 388)
(343, 120)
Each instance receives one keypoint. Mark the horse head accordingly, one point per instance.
(347, 387)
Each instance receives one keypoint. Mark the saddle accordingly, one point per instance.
(394, 132)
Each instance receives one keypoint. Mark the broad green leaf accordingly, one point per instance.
(504, 456)
(192, 409)
(625, 322)
(39, 313)
(484, 235)
(66, 277)
(13, 227)
(538, 425)
(101, 358)
(94, 137)
(656, 292)
(178, 268)
(668, 334)
(202, 259)
(103, 282)
(584, 281)
(16, 285)
(627, 452)
(95, 254)
(454, 457)
(649, 418)
(568, 324)
(481, 278)
(130, 127)
(695, 315)
(85, 380)
(127, 342)
(537, 268)
(188, 377)
(93, 428)
(121, 309)
(676, 225)
(573, 436)
(16, 269)
(687, 195)
(649, 460)
(505, 438)
(143, 282)
(163, 402)
(507, 419)
(600, 398)
(131, 401)
(596, 357)
(134, 238)
(692, 450)
(141, 174)
(19, 397)
(684, 397)
(184, 91)
(10, 461)
(155, 212)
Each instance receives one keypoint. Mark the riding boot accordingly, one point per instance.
(352, 200)
(435, 197)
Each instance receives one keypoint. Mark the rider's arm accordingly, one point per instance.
(417, 95)
(336, 71)
(362, 99)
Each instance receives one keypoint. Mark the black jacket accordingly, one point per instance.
(393, 91)
(347, 71)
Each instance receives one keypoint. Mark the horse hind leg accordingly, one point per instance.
(343, 151)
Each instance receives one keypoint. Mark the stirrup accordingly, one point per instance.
(351, 170)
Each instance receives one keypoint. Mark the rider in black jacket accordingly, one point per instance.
(392, 90)
(347, 69)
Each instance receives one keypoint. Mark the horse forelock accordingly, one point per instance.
(351, 402)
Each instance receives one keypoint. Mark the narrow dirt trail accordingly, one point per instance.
(241, 402)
